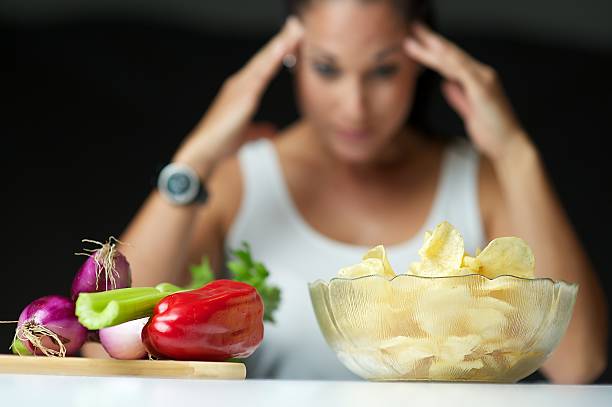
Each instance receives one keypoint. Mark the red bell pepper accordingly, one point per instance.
(222, 320)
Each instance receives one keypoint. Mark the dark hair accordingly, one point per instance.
(428, 82)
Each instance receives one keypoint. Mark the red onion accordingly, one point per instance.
(123, 341)
(105, 269)
(48, 326)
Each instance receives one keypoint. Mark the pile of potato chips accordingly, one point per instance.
(462, 327)
(443, 254)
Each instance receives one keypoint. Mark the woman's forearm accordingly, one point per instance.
(537, 216)
(156, 241)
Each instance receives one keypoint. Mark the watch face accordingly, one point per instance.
(178, 184)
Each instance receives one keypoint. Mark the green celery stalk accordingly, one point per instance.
(18, 348)
(113, 307)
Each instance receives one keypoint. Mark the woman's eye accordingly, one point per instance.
(326, 70)
(385, 71)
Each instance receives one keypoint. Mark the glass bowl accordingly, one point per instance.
(461, 328)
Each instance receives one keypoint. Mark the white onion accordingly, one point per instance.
(123, 341)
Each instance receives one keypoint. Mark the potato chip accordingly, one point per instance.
(441, 312)
(507, 256)
(366, 268)
(471, 264)
(379, 253)
(487, 322)
(406, 352)
(456, 348)
(503, 284)
(441, 254)
(453, 370)
(450, 360)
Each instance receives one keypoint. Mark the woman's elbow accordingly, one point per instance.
(583, 372)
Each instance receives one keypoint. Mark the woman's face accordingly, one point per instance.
(355, 83)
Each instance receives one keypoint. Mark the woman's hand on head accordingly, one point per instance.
(472, 89)
(225, 126)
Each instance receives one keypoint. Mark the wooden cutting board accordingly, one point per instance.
(73, 366)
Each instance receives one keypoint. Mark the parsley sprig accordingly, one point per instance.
(245, 269)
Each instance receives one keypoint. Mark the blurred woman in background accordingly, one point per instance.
(354, 172)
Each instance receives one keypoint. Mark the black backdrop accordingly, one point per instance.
(91, 109)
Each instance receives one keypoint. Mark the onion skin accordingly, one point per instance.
(55, 313)
(85, 279)
(124, 341)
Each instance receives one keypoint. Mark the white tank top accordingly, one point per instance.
(296, 254)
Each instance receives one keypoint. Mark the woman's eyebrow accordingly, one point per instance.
(380, 55)
(321, 53)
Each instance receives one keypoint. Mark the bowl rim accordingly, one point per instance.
(405, 275)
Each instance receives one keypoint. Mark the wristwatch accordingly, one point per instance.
(180, 185)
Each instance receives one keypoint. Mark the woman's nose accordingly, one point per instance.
(353, 103)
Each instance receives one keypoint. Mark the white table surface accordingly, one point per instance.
(63, 391)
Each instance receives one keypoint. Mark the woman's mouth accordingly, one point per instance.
(352, 135)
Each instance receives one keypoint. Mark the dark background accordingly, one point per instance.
(96, 99)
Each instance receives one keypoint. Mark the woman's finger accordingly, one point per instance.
(449, 68)
(443, 46)
(456, 97)
(267, 61)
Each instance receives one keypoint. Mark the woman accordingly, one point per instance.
(350, 174)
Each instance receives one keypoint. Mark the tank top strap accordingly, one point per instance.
(263, 192)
